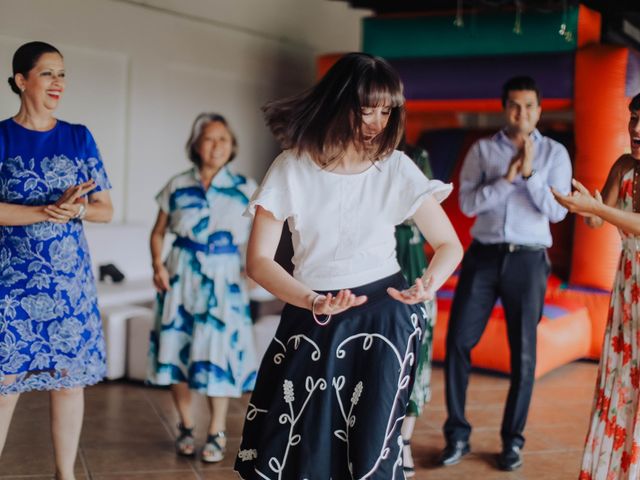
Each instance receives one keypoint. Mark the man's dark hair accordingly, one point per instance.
(519, 83)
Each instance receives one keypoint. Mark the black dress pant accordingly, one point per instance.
(518, 277)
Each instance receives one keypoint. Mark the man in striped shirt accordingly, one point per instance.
(505, 183)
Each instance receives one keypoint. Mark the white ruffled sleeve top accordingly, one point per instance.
(343, 225)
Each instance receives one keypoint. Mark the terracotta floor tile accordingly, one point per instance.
(129, 432)
(149, 475)
(133, 458)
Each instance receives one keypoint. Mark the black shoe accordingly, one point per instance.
(109, 272)
(454, 452)
(510, 459)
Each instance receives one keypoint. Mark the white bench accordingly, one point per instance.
(127, 247)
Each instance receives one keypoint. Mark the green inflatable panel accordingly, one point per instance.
(481, 34)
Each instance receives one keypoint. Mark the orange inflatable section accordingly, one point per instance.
(597, 304)
(558, 342)
(325, 62)
(479, 105)
(601, 115)
(589, 26)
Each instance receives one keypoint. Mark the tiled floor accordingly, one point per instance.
(129, 429)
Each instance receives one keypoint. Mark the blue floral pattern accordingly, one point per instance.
(50, 329)
(203, 333)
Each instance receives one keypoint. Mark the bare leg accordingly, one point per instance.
(67, 412)
(218, 406)
(7, 406)
(185, 444)
(213, 450)
(182, 399)
(407, 432)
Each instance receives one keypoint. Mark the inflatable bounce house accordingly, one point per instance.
(452, 69)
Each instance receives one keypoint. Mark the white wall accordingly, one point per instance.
(139, 71)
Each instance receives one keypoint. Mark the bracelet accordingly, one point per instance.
(313, 312)
(82, 212)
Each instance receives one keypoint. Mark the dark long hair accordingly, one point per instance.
(326, 119)
(25, 58)
(634, 105)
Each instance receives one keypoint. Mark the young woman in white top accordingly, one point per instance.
(334, 384)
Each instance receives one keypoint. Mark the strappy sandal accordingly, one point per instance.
(185, 443)
(409, 472)
(213, 452)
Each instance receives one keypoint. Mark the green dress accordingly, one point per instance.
(413, 261)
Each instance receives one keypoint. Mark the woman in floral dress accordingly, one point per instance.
(50, 330)
(612, 448)
(413, 262)
(203, 339)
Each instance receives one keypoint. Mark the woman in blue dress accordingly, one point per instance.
(51, 180)
(203, 339)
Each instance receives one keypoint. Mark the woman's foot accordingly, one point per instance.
(185, 443)
(213, 450)
(407, 460)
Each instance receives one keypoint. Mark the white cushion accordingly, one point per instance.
(114, 322)
(139, 327)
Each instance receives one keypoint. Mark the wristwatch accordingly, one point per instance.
(533, 172)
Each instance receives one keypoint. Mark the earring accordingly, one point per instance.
(22, 89)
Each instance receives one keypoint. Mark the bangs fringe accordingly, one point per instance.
(383, 92)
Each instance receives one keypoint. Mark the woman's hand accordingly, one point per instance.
(333, 304)
(71, 203)
(65, 211)
(75, 192)
(421, 291)
(161, 278)
(579, 201)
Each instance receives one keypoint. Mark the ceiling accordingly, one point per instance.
(620, 18)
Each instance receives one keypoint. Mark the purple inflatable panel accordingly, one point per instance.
(482, 77)
(632, 86)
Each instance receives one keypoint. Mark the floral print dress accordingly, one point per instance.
(612, 448)
(50, 329)
(203, 334)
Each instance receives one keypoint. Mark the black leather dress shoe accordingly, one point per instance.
(510, 459)
(454, 452)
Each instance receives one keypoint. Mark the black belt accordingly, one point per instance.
(212, 248)
(510, 247)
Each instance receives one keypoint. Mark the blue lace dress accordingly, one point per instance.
(50, 330)
(203, 333)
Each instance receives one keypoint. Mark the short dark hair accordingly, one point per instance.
(634, 104)
(198, 126)
(25, 58)
(522, 82)
(325, 119)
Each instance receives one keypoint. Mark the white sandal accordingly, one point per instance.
(213, 452)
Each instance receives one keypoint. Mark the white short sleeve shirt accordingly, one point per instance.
(343, 225)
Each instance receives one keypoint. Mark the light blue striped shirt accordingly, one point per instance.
(517, 212)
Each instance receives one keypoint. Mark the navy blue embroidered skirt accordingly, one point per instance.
(329, 401)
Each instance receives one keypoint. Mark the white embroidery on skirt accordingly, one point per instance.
(311, 385)
(292, 418)
(246, 455)
(349, 419)
(278, 357)
(252, 411)
(404, 363)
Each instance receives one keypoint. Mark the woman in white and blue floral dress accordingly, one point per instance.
(203, 337)
(50, 331)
